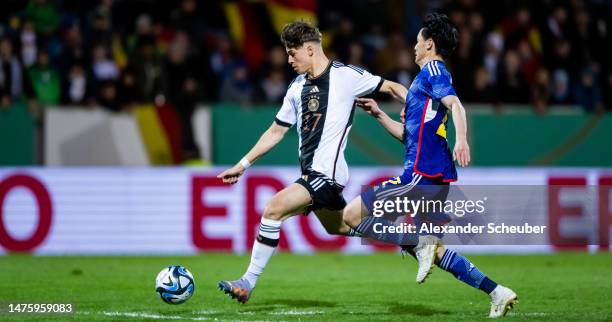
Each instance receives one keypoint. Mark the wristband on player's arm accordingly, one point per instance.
(244, 162)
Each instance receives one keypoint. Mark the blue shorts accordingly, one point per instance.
(410, 186)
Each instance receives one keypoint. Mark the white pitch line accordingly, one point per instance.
(529, 314)
(206, 312)
(296, 312)
(148, 316)
(144, 315)
(163, 317)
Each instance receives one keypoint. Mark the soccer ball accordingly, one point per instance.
(174, 284)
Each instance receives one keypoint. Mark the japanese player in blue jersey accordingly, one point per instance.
(429, 165)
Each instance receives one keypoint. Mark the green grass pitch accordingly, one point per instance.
(322, 287)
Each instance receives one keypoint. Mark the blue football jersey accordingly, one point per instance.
(427, 151)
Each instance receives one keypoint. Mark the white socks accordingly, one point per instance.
(263, 249)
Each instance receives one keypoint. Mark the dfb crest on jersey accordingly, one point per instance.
(313, 104)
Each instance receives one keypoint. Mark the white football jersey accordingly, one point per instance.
(323, 109)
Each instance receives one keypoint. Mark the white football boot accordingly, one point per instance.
(502, 300)
(425, 253)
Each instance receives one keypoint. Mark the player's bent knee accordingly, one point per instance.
(351, 218)
(273, 212)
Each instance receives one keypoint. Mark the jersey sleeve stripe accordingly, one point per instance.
(281, 123)
(355, 68)
(293, 81)
(437, 68)
(382, 80)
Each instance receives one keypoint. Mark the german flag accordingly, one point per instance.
(256, 25)
(283, 12)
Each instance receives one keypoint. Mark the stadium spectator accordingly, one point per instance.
(588, 91)
(45, 80)
(386, 57)
(463, 62)
(481, 90)
(561, 87)
(186, 18)
(104, 68)
(530, 61)
(276, 60)
(143, 28)
(562, 59)
(180, 88)
(476, 27)
(541, 91)
(101, 22)
(511, 82)
(343, 37)
(374, 40)
(519, 28)
(11, 74)
(355, 55)
(405, 69)
(222, 56)
(76, 86)
(148, 68)
(74, 51)
(107, 96)
(127, 90)
(557, 25)
(29, 47)
(45, 16)
(557, 39)
(494, 47)
(271, 89)
(588, 40)
(236, 87)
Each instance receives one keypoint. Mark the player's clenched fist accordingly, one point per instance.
(232, 174)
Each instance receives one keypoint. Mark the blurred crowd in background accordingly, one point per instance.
(118, 54)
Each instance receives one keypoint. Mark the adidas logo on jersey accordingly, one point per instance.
(314, 89)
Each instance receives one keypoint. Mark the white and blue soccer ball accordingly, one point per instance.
(174, 284)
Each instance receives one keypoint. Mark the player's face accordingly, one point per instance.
(299, 59)
(420, 49)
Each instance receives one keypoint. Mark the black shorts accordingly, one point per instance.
(325, 193)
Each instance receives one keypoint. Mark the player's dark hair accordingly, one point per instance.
(295, 34)
(444, 34)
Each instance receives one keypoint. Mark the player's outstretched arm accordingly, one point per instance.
(267, 141)
(395, 128)
(461, 152)
(396, 90)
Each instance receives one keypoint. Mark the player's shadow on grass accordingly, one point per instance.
(288, 303)
(414, 309)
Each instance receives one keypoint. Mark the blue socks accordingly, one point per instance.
(465, 271)
(451, 261)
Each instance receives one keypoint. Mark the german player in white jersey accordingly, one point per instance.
(320, 102)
